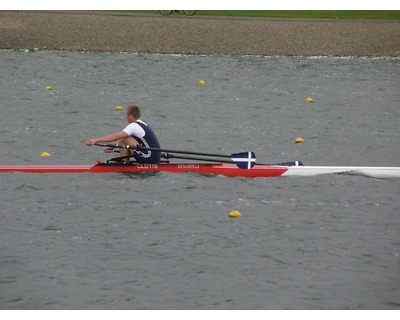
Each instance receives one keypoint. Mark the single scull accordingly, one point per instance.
(225, 169)
(242, 164)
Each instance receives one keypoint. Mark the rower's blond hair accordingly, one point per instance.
(133, 111)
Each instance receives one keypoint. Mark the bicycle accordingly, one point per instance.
(187, 12)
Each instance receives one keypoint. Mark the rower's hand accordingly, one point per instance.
(90, 142)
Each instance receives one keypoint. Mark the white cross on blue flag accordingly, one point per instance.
(244, 160)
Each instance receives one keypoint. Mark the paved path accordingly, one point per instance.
(77, 31)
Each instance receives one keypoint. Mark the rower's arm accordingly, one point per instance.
(109, 138)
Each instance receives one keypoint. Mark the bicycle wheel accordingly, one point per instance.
(165, 12)
(190, 12)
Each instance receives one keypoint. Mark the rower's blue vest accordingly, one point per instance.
(149, 140)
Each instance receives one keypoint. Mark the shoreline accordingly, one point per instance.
(205, 35)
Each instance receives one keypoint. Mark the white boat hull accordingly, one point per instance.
(374, 172)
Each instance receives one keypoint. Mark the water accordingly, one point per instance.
(115, 241)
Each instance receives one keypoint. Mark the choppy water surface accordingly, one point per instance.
(114, 241)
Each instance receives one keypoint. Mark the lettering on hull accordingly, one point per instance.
(147, 166)
(188, 166)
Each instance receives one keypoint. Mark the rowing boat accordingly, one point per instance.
(242, 164)
(225, 169)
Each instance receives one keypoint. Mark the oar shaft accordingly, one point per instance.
(172, 156)
(244, 160)
(161, 150)
(183, 152)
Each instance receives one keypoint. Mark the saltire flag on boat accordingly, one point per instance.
(244, 160)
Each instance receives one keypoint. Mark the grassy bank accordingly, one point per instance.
(305, 14)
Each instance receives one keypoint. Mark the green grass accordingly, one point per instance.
(306, 14)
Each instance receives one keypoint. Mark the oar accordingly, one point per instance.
(240, 159)
(244, 160)
(286, 164)
(137, 148)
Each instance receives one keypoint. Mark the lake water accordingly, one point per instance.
(116, 241)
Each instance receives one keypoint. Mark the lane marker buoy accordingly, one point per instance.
(45, 154)
(234, 214)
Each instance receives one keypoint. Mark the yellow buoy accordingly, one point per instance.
(118, 108)
(202, 82)
(48, 88)
(234, 214)
(45, 154)
(299, 140)
(309, 99)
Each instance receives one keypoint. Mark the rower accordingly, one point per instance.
(137, 132)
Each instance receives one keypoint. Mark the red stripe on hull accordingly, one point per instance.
(46, 168)
(229, 170)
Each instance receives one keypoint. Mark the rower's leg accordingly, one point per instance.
(128, 141)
